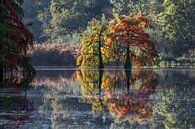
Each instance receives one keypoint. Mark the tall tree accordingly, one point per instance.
(15, 39)
(92, 43)
(129, 32)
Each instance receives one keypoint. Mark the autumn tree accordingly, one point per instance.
(15, 40)
(92, 42)
(129, 32)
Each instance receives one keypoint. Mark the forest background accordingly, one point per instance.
(58, 24)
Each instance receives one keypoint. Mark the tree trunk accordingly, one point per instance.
(128, 62)
(101, 65)
(100, 82)
(128, 74)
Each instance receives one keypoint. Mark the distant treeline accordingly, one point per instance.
(59, 21)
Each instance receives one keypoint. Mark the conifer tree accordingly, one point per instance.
(15, 39)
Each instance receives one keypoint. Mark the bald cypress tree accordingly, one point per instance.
(15, 39)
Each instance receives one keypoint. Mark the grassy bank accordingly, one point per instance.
(53, 55)
(50, 54)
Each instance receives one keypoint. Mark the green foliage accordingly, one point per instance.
(135, 7)
(91, 38)
(176, 20)
(32, 9)
(62, 21)
(66, 17)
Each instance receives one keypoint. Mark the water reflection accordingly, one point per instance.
(102, 99)
(15, 108)
(128, 102)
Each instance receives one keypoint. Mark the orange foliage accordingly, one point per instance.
(131, 105)
(128, 31)
(133, 102)
(145, 21)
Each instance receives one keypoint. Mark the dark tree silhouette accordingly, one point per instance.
(15, 40)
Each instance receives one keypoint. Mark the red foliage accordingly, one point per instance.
(21, 36)
(134, 102)
(130, 32)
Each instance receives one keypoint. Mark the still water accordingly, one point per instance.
(106, 99)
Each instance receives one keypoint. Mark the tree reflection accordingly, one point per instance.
(175, 106)
(134, 107)
(91, 88)
(15, 78)
(106, 92)
(15, 108)
(116, 99)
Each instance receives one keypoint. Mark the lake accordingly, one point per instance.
(102, 99)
